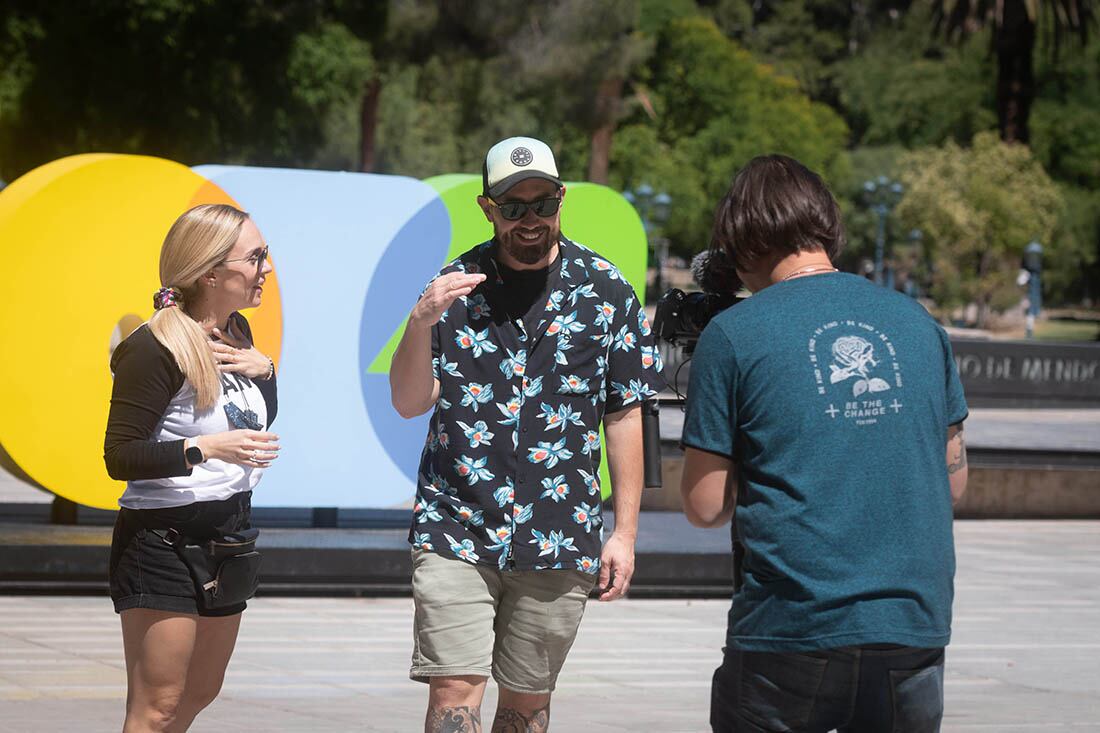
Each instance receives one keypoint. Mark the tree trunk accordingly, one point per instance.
(1015, 43)
(606, 116)
(368, 123)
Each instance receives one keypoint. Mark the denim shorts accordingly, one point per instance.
(145, 572)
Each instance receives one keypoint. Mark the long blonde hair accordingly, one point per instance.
(198, 240)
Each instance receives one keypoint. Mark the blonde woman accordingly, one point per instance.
(187, 431)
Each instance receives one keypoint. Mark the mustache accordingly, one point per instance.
(531, 230)
(535, 228)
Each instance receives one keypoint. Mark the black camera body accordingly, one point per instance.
(681, 317)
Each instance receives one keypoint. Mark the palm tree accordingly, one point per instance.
(1015, 25)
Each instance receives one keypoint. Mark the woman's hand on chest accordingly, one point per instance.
(234, 354)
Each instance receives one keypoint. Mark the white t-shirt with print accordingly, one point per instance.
(212, 480)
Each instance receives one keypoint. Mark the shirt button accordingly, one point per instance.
(524, 430)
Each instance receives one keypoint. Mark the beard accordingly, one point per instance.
(529, 252)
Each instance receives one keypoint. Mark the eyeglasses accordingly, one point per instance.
(514, 210)
(256, 260)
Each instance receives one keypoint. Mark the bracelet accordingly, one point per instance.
(270, 370)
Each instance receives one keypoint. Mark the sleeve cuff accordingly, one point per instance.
(610, 409)
(684, 444)
(174, 450)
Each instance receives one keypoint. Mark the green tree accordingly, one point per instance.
(588, 54)
(807, 39)
(191, 81)
(456, 77)
(978, 208)
(1071, 269)
(907, 88)
(330, 70)
(1015, 28)
(716, 107)
(802, 38)
(1065, 121)
(17, 34)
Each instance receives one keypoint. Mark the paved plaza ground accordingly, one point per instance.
(1025, 654)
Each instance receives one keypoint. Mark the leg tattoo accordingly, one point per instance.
(464, 719)
(509, 720)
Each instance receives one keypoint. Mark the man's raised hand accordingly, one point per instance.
(439, 296)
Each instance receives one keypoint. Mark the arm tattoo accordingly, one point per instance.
(512, 721)
(955, 433)
(464, 719)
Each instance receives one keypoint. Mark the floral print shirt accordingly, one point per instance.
(509, 476)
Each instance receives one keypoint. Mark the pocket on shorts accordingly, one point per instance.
(777, 690)
(917, 699)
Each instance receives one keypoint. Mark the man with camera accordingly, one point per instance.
(828, 412)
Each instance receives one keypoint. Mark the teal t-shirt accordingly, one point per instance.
(833, 397)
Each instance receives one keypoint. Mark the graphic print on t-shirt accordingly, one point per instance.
(863, 371)
(241, 417)
(234, 383)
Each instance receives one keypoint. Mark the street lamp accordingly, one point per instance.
(662, 207)
(882, 195)
(654, 208)
(1032, 276)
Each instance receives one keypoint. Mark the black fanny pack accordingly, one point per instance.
(225, 570)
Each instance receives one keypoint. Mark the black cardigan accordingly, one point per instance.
(146, 379)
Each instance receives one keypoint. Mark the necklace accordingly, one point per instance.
(807, 270)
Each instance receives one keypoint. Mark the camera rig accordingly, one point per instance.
(679, 320)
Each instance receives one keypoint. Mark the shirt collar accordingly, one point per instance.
(573, 270)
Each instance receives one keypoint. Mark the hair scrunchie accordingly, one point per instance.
(166, 298)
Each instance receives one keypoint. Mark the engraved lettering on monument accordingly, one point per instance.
(1029, 372)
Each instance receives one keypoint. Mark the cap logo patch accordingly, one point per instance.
(522, 157)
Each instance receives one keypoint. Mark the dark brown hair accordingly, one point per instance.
(776, 206)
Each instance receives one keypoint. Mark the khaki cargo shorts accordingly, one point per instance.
(515, 626)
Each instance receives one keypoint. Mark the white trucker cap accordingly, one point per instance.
(516, 159)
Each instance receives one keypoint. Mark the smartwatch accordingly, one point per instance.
(193, 453)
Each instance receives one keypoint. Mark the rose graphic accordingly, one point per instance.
(853, 356)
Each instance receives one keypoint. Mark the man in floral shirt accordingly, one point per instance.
(523, 345)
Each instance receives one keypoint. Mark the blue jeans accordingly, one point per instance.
(877, 689)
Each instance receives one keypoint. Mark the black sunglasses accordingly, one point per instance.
(513, 210)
